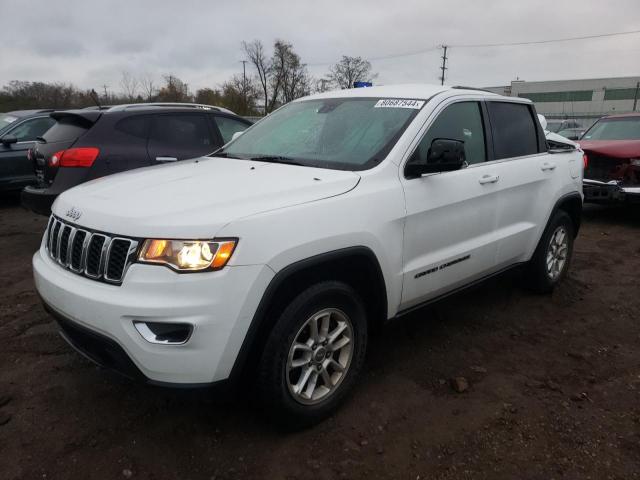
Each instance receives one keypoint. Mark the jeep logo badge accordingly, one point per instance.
(73, 213)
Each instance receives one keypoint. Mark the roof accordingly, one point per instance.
(414, 91)
(622, 115)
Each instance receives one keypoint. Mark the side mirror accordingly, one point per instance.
(236, 135)
(444, 155)
(9, 139)
(543, 121)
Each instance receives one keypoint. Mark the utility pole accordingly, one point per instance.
(444, 64)
(106, 95)
(244, 72)
(635, 96)
(244, 82)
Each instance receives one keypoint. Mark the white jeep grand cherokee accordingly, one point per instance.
(278, 254)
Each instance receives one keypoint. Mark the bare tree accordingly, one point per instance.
(18, 95)
(149, 88)
(290, 78)
(129, 85)
(281, 78)
(174, 90)
(258, 58)
(209, 96)
(240, 96)
(349, 70)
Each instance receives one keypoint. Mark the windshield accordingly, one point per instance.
(615, 129)
(336, 133)
(6, 120)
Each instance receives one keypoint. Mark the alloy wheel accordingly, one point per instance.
(557, 253)
(320, 356)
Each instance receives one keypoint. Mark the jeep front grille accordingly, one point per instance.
(95, 255)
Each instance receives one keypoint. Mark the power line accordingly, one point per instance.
(535, 42)
(384, 57)
(482, 45)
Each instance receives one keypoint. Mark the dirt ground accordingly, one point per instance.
(554, 388)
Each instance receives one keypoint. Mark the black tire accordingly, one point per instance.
(273, 385)
(537, 277)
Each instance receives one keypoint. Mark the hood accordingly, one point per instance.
(554, 137)
(612, 148)
(196, 198)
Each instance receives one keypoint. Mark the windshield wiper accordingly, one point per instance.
(224, 155)
(277, 159)
(41, 139)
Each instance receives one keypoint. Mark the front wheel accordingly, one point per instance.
(314, 354)
(550, 261)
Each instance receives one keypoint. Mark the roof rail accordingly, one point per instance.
(462, 87)
(129, 106)
(97, 107)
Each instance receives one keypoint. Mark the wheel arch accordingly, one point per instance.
(351, 265)
(570, 203)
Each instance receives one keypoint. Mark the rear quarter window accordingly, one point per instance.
(513, 128)
(67, 128)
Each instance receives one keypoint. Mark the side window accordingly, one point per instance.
(513, 128)
(459, 121)
(31, 129)
(181, 130)
(229, 126)
(135, 126)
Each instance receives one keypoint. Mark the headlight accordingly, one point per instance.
(188, 255)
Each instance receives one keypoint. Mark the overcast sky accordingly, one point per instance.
(90, 43)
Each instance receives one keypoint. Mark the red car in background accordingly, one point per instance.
(612, 159)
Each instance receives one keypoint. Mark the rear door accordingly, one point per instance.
(16, 170)
(178, 136)
(526, 172)
(449, 235)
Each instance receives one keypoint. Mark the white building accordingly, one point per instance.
(586, 99)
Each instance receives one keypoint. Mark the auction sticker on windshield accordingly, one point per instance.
(399, 103)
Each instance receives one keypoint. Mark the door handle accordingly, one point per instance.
(547, 166)
(488, 179)
(166, 159)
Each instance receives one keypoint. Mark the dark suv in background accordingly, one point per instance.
(91, 143)
(18, 133)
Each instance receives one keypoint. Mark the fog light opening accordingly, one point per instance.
(164, 333)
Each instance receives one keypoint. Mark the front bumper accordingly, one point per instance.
(596, 191)
(97, 318)
(96, 347)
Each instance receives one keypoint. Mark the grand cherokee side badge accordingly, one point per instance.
(73, 213)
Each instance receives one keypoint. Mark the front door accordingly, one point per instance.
(451, 217)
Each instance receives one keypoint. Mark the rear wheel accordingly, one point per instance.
(550, 262)
(314, 354)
